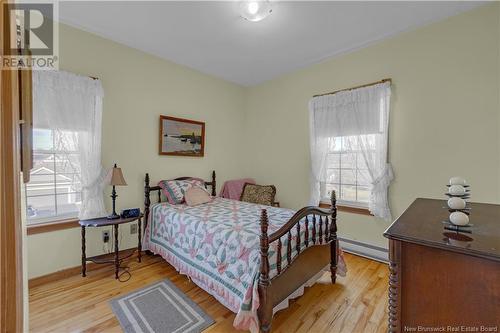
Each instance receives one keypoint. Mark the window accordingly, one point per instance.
(347, 172)
(54, 191)
(349, 143)
(67, 122)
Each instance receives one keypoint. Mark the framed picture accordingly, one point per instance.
(181, 137)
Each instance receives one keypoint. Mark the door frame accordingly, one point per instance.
(11, 274)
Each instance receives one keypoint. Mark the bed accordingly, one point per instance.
(251, 258)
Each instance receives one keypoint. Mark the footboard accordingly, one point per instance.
(318, 250)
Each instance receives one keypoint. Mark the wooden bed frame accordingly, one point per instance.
(319, 253)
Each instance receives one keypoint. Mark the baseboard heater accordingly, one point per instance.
(364, 250)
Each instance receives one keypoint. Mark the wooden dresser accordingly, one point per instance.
(444, 281)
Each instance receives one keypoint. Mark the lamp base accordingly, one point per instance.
(113, 216)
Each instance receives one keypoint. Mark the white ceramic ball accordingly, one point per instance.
(456, 203)
(456, 190)
(457, 181)
(459, 218)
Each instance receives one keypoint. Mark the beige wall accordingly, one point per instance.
(138, 88)
(445, 81)
(444, 116)
(498, 78)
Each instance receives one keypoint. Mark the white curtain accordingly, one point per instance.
(71, 106)
(361, 118)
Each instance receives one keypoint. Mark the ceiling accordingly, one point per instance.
(212, 38)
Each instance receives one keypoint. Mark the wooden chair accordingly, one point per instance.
(259, 194)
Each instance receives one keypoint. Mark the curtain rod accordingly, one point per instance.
(94, 78)
(356, 87)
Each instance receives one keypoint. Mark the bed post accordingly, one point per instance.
(147, 200)
(214, 185)
(333, 238)
(265, 310)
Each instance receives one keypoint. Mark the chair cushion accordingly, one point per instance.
(196, 195)
(258, 194)
(173, 190)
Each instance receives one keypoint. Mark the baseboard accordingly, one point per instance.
(365, 250)
(348, 245)
(65, 273)
(59, 275)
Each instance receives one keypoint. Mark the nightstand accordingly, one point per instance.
(116, 257)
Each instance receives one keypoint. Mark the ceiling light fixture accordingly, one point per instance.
(255, 11)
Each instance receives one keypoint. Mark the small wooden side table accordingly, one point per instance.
(106, 258)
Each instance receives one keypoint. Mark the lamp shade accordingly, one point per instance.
(115, 177)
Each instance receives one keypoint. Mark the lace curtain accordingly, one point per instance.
(71, 106)
(361, 117)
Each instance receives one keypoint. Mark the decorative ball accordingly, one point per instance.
(457, 181)
(456, 203)
(459, 218)
(456, 190)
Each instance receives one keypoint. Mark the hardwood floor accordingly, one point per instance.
(357, 303)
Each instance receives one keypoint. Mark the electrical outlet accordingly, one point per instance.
(133, 229)
(105, 236)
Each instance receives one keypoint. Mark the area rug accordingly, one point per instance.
(159, 308)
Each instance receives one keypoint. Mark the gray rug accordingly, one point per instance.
(159, 308)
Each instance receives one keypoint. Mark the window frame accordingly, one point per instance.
(43, 223)
(42, 227)
(347, 209)
(359, 207)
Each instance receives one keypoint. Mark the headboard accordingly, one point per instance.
(148, 189)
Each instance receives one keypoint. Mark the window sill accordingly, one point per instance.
(52, 226)
(348, 209)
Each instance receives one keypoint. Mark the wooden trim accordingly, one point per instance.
(11, 274)
(59, 275)
(356, 87)
(348, 209)
(202, 124)
(354, 210)
(72, 271)
(52, 226)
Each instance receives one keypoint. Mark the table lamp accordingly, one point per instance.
(115, 179)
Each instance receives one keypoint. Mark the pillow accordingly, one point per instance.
(258, 194)
(196, 196)
(173, 190)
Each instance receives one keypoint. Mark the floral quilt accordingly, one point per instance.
(217, 245)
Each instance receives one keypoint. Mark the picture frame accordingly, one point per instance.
(181, 137)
